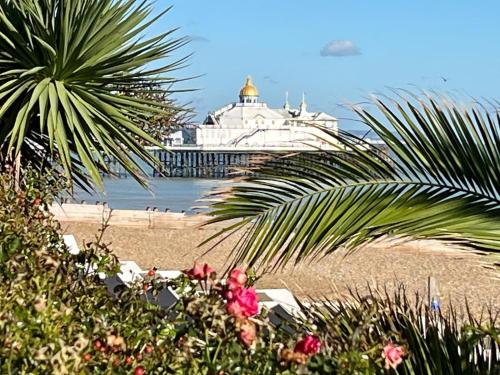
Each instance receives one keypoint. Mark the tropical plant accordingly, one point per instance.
(161, 125)
(440, 179)
(434, 342)
(61, 65)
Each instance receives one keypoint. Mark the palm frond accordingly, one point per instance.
(440, 179)
(62, 64)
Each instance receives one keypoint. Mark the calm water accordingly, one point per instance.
(177, 194)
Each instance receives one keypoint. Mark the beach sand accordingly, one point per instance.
(459, 275)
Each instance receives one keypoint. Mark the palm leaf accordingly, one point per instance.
(440, 180)
(436, 342)
(62, 67)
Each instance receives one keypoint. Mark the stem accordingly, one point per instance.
(17, 172)
(218, 348)
(207, 350)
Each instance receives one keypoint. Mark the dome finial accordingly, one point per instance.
(248, 93)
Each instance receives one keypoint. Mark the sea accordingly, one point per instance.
(173, 194)
(179, 194)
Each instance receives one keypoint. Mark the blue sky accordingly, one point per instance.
(337, 52)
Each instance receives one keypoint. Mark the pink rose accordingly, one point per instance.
(237, 279)
(309, 345)
(234, 308)
(196, 272)
(244, 303)
(248, 332)
(228, 295)
(393, 355)
(199, 272)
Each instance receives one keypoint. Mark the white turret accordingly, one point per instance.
(286, 105)
(303, 105)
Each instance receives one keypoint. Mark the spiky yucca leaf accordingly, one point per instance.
(435, 342)
(440, 180)
(61, 64)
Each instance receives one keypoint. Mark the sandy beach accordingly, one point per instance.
(459, 275)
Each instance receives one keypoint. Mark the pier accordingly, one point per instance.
(206, 163)
(219, 162)
(215, 162)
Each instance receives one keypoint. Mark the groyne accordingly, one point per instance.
(99, 213)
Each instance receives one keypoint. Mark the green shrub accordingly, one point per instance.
(56, 318)
(435, 343)
(50, 311)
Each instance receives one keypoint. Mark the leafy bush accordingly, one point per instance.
(434, 343)
(50, 310)
(58, 317)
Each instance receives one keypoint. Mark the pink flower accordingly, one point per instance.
(393, 355)
(248, 332)
(309, 345)
(208, 270)
(228, 295)
(237, 279)
(199, 272)
(196, 273)
(243, 303)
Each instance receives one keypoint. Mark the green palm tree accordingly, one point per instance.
(64, 65)
(440, 180)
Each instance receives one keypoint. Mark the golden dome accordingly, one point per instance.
(249, 89)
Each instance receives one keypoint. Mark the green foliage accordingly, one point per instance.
(54, 315)
(61, 65)
(160, 126)
(57, 318)
(440, 179)
(438, 343)
(50, 310)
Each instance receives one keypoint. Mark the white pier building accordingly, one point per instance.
(251, 124)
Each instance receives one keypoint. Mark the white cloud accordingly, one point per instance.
(340, 48)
